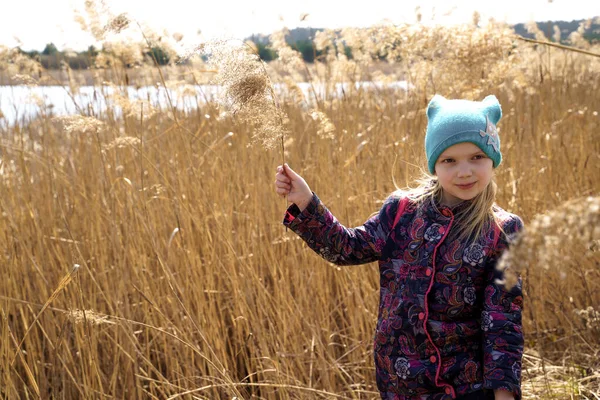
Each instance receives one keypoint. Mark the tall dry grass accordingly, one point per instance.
(190, 287)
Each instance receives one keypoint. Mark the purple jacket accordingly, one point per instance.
(445, 328)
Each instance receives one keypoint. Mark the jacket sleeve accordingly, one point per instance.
(501, 323)
(322, 232)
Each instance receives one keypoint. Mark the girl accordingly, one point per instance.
(446, 328)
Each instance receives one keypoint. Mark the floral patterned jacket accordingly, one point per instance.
(445, 328)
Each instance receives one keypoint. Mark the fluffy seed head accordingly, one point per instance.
(557, 241)
(122, 142)
(73, 124)
(89, 316)
(247, 90)
(117, 24)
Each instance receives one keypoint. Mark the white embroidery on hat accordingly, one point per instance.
(492, 133)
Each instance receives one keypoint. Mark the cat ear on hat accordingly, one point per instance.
(434, 105)
(492, 108)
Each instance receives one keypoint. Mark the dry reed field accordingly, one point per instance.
(143, 254)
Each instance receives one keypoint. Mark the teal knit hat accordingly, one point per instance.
(457, 121)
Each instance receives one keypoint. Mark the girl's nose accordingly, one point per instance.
(464, 170)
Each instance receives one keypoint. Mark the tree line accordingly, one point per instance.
(52, 58)
(299, 39)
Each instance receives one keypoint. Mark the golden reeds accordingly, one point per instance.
(59, 288)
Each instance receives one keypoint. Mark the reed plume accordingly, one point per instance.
(247, 90)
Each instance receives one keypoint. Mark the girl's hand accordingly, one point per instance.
(290, 184)
(503, 395)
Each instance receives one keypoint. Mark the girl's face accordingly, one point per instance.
(463, 171)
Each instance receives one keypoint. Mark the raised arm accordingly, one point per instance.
(323, 233)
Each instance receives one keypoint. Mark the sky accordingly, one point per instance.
(31, 24)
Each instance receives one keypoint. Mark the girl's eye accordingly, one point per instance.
(450, 160)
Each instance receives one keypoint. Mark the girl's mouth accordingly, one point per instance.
(469, 186)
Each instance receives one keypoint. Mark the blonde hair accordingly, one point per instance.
(470, 220)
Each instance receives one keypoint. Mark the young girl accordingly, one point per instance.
(446, 328)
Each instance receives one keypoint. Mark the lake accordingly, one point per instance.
(22, 103)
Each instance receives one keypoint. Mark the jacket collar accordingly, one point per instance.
(435, 209)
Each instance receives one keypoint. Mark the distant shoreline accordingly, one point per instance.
(139, 76)
(148, 75)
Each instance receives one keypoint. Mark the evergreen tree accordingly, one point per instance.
(50, 50)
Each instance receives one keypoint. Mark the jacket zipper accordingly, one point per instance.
(439, 358)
